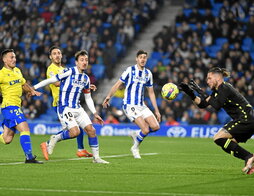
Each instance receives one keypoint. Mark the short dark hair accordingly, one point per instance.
(219, 70)
(141, 52)
(52, 48)
(4, 52)
(80, 53)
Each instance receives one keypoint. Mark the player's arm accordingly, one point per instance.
(30, 90)
(112, 91)
(218, 101)
(91, 106)
(154, 103)
(53, 79)
(46, 82)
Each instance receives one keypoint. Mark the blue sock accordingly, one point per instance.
(65, 135)
(80, 139)
(141, 136)
(25, 143)
(150, 130)
(93, 141)
(60, 132)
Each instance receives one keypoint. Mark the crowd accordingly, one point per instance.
(206, 34)
(104, 28)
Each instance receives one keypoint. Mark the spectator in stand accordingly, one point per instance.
(171, 121)
(111, 119)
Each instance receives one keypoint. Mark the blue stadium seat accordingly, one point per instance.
(201, 11)
(116, 102)
(33, 46)
(166, 61)
(247, 41)
(212, 50)
(220, 41)
(102, 45)
(193, 26)
(22, 45)
(119, 48)
(151, 63)
(246, 48)
(106, 25)
(137, 28)
(98, 71)
(252, 56)
(28, 65)
(63, 45)
(187, 12)
(72, 61)
(156, 55)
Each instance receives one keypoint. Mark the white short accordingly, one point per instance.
(72, 117)
(134, 111)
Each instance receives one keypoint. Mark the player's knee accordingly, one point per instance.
(154, 128)
(220, 141)
(7, 140)
(91, 132)
(74, 132)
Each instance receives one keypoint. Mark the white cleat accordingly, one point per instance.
(135, 152)
(99, 160)
(51, 144)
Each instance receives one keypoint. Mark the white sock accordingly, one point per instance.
(95, 151)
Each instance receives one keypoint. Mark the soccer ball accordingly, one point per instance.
(169, 91)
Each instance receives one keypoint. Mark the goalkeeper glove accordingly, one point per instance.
(197, 88)
(185, 87)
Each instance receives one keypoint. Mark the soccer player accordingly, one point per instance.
(74, 81)
(12, 85)
(55, 67)
(136, 78)
(225, 96)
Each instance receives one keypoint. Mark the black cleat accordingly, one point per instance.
(33, 161)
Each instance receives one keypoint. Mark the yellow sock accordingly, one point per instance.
(2, 139)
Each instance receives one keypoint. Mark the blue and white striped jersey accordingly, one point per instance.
(72, 84)
(135, 82)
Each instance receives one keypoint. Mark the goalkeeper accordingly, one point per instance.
(225, 96)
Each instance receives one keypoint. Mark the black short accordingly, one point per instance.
(240, 130)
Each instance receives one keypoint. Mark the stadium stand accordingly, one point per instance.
(31, 27)
(229, 45)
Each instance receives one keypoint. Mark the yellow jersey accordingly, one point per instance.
(11, 82)
(52, 71)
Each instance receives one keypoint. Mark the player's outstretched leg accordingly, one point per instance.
(52, 142)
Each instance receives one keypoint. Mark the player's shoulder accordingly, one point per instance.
(17, 70)
(225, 87)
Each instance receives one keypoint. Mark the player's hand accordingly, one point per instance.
(34, 93)
(197, 88)
(99, 119)
(158, 116)
(186, 88)
(93, 87)
(105, 103)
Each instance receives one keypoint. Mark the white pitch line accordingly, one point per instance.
(77, 159)
(108, 192)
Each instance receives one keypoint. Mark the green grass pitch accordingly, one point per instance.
(169, 166)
